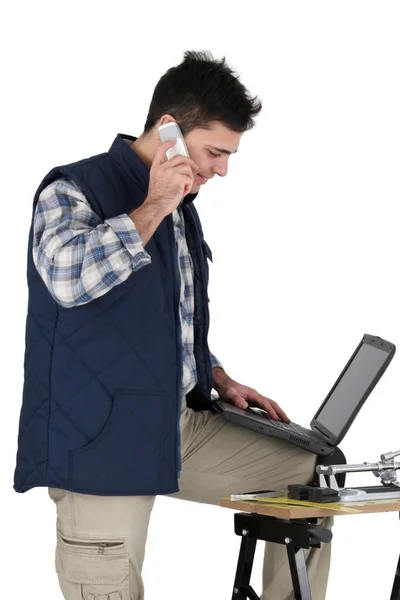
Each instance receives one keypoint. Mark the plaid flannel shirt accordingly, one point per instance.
(80, 258)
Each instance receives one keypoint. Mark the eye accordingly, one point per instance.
(214, 155)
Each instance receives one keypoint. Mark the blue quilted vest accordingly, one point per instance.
(102, 386)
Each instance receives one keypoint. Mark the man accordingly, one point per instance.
(118, 373)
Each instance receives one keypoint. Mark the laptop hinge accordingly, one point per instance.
(321, 433)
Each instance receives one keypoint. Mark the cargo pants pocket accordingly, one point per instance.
(92, 569)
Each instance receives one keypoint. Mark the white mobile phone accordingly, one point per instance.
(171, 131)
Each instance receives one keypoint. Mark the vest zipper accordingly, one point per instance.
(178, 343)
(199, 244)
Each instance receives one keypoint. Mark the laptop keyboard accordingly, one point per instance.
(293, 428)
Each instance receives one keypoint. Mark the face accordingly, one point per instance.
(210, 149)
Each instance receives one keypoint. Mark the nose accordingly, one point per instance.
(221, 169)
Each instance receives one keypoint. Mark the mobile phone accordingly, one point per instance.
(171, 131)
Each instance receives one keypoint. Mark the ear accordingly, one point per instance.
(167, 118)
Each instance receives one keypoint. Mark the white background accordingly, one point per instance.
(304, 232)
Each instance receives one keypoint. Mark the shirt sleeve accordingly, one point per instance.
(215, 362)
(78, 256)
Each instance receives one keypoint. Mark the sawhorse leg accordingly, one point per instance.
(396, 585)
(295, 535)
(298, 571)
(242, 588)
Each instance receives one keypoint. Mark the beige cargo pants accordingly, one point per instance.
(101, 539)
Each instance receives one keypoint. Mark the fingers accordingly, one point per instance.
(179, 159)
(272, 408)
(187, 175)
(282, 415)
(161, 157)
(184, 169)
(254, 398)
(160, 153)
(240, 402)
(188, 185)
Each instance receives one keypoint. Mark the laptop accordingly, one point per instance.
(337, 412)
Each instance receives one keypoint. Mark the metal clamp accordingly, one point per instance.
(386, 469)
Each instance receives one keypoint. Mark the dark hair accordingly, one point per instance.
(200, 90)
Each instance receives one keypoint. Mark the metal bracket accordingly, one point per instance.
(386, 469)
(296, 535)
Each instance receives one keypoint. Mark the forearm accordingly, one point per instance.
(220, 378)
(218, 371)
(146, 220)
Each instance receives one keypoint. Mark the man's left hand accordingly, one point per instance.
(242, 396)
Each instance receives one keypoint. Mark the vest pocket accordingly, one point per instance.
(126, 457)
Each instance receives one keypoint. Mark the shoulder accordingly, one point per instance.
(61, 190)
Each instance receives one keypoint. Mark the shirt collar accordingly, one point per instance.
(132, 164)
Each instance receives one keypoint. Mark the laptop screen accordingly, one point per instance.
(353, 386)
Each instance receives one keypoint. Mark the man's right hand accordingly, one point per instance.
(170, 180)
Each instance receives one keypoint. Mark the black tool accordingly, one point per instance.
(298, 492)
(319, 494)
(310, 493)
